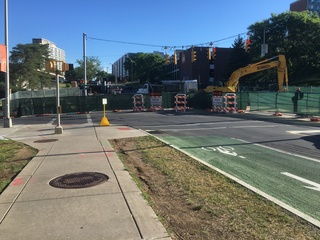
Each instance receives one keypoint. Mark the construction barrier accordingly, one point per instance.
(138, 103)
(217, 102)
(155, 102)
(180, 102)
(230, 103)
(224, 104)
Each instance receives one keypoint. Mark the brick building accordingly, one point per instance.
(303, 5)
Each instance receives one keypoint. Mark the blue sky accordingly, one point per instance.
(175, 23)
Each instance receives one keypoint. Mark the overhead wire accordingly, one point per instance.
(210, 44)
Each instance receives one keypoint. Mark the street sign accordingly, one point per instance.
(104, 101)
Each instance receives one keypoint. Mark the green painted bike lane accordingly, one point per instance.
(290, 179)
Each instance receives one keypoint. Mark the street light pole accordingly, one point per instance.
(7, 123)
(58, 129)
(85, 62)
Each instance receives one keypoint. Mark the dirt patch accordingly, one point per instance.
(195, 202)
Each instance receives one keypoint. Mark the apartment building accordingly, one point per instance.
(303, 5)
(54, 52)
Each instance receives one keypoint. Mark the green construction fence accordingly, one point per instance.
(307, 104)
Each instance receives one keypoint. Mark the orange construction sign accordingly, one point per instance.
(3, 58)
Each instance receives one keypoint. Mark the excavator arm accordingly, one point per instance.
(233, 81)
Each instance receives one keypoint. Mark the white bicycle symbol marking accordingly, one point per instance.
(223, 149)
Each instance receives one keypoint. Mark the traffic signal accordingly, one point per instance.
(193, 56)
(70, 66)
(50, 66)
(214, 54)
(248, 43)
(167, 59)
(65, 67)
(209, 54)
(174, 58)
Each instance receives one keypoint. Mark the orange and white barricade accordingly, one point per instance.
(155, 102)
(217, 102)
(138, 103)
(230, 103)
(181, 102)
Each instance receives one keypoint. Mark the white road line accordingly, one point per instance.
(304, 131)
(196, 124)
(208, 128)
(51, 122)
(183, 129)
(315, 186)
(280, 151)
(89, 119)
(257, 126)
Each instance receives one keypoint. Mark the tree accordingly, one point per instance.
(71, 75)
(93, 68)
(297, 36)
(239, 57)
(101, 74)
(145, 66)
(28, 66)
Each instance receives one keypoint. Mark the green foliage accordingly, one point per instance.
(101, 74)
(297, 36)
(27, 66)
(93, 67)
(145, 67)
(70, 75)
(239, 57)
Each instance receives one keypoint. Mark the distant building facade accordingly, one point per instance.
(118, 69)
(187, 67)
(54, 52)
(303, 5)
(206, 71)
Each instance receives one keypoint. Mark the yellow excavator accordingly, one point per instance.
(232, 83)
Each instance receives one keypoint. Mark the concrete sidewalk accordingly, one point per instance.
(32, 209)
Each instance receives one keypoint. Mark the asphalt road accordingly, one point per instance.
(278, 157)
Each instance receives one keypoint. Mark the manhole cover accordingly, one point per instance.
(45, 140)
(79, 180)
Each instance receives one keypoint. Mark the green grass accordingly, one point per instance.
(13, 158)
(7, 149)
(206, 204)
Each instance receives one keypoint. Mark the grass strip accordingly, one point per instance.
(196, 202)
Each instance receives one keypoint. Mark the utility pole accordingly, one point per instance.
(85, 62)
(264, 46)
(7, 123)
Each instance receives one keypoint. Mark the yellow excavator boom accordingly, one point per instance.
(233, 81)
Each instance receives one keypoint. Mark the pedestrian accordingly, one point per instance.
(298, 95)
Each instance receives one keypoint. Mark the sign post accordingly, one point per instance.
(104, 121)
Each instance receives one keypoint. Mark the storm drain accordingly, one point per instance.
(79, 180)
(45, 140)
